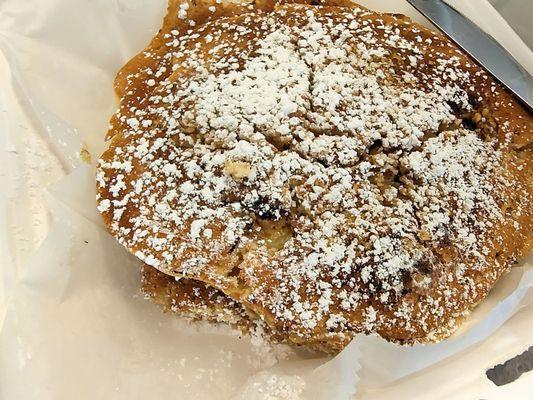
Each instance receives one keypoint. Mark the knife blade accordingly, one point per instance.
(480, 46)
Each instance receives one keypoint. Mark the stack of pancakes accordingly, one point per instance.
(315, 170)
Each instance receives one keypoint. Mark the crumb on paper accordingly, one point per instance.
(84, 154)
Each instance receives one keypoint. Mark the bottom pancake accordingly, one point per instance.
(193, 299)
(197, 301)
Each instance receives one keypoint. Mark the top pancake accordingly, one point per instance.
(335, 170)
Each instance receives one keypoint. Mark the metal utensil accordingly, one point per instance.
(480, 46)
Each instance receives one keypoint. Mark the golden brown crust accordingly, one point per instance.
(394, 211)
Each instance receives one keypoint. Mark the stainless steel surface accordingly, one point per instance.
(482, 47)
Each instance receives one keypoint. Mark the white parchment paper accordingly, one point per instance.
(74, 324)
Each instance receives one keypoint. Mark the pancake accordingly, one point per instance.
(192, 299)
(195, 301)
(333, 170)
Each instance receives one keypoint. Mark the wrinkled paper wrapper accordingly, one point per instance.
(75, 324)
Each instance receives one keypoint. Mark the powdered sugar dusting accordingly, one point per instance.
(315, 166)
